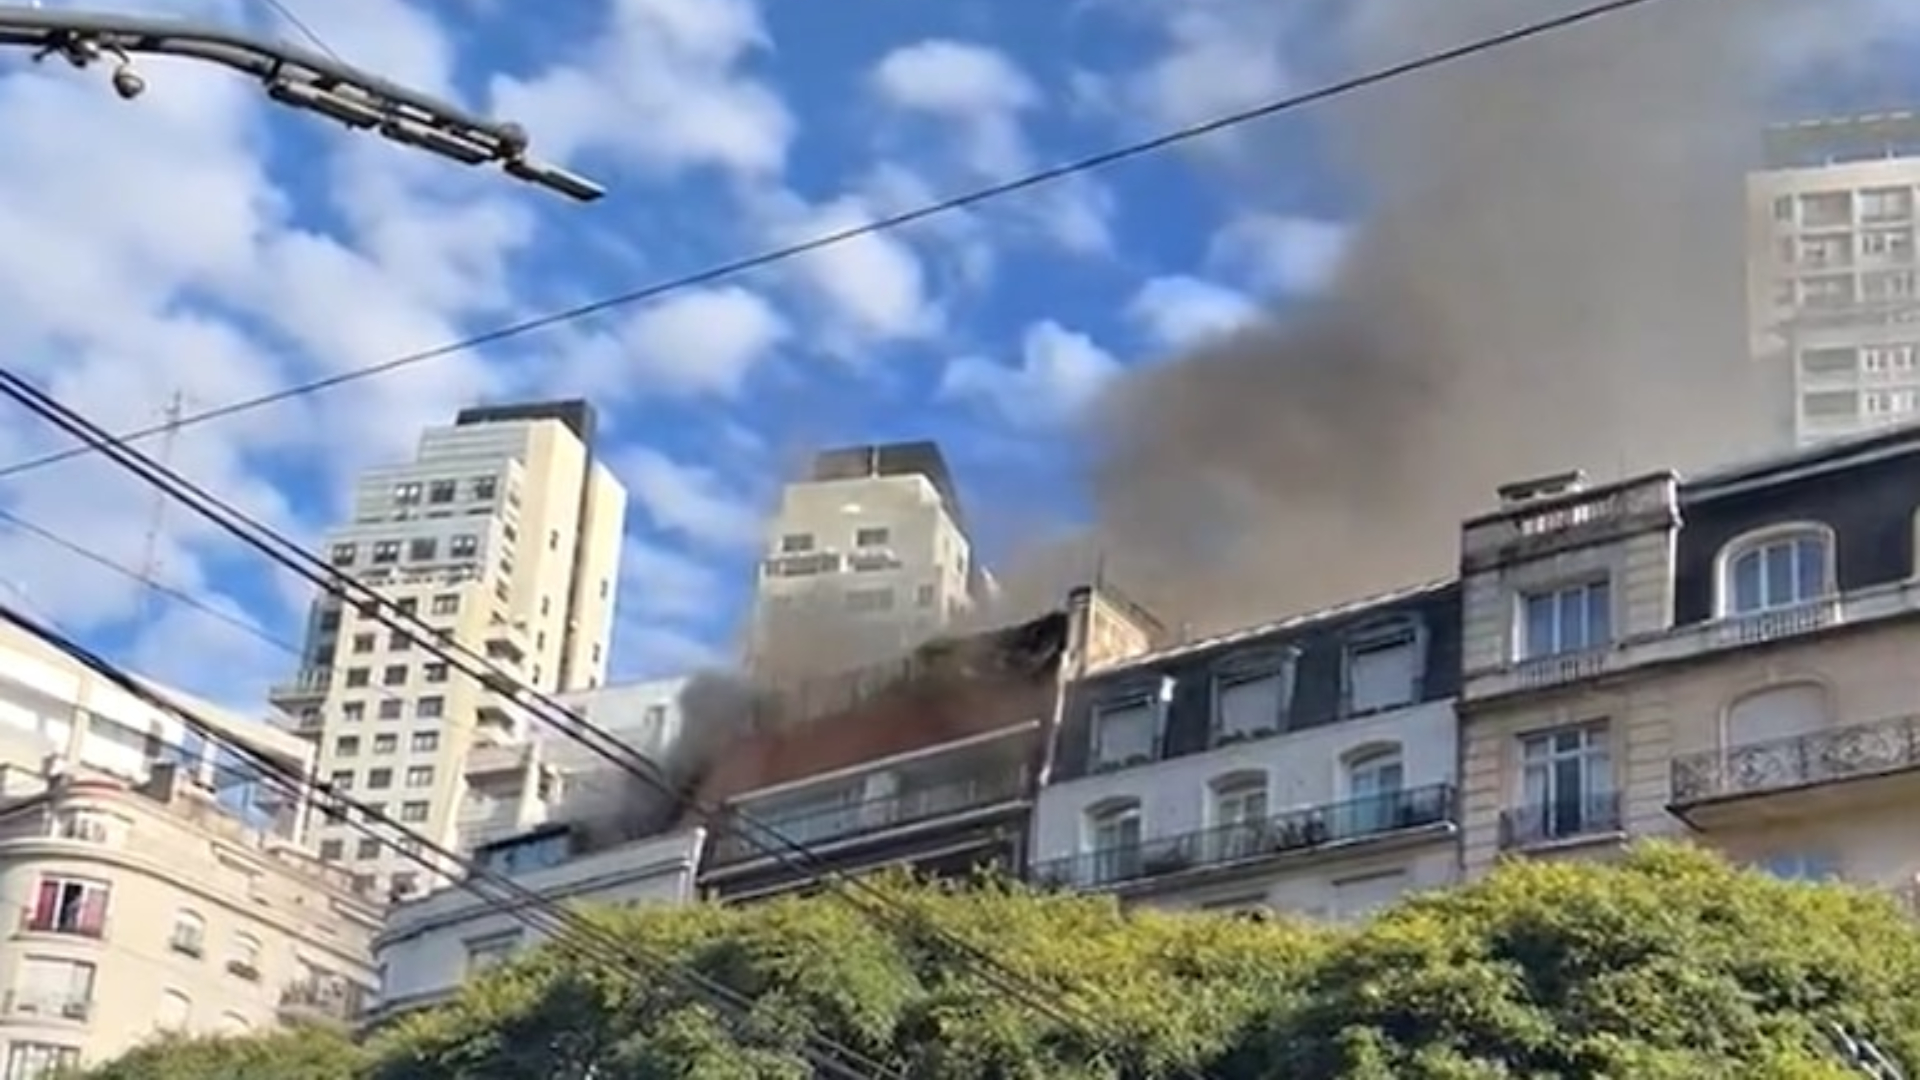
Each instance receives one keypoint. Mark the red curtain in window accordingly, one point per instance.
(45, 904)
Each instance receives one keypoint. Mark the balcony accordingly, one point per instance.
(1792, 778)
(505, 640)
(1540, 527)
(1571, 822)
(306, 685)
(914, 805)
(1341, 826)
(322, 998)
(46, 1005)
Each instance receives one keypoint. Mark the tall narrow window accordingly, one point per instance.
(1375, 779)
(1382, 669)
(1566, 620)
(1125, 733)
(1566, 784)
(1114, 837)
(1240, 815)
(1250, 698)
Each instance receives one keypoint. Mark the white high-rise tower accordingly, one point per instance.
(504, 535)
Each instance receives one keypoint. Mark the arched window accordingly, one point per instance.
(189, 934)
(1238, 815)
(176, 1010)
(1776, 714)
(1375, 778)
(1779, 569)
(245, 961)
(1114, 837)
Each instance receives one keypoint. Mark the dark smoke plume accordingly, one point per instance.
(1550, 275)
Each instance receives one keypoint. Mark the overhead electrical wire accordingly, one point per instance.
(1053, 1001)
(786, 253)
(573, 934)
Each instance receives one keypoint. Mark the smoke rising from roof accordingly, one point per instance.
(1550, 276)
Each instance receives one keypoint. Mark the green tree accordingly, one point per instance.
(1672, 965)
(295, 1054)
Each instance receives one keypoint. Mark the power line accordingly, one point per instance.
(569, 931)
(773, 256)
(300, 26)
(1049, 998)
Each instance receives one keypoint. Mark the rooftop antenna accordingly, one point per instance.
(170, 418)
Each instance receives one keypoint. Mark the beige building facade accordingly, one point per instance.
(1726, 659)
(146, 908)
(503, 535)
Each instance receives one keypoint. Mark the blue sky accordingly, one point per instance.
(204, 243)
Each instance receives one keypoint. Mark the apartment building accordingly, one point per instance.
(873, 543)
(1831, 293)
(434, 944)
(148, 907)
(1306, 765)
(504, 535)
(933, 767)
(1727, 657)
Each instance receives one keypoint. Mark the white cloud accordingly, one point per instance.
(1219, 56)
(870, 289)
(659, 87)
(972, 86)
(704, 341)
(1277, 255)
(657, 582)
(1059, 373)
(1179, 311)
(689, 500)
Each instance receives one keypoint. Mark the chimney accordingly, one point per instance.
(1522, 492)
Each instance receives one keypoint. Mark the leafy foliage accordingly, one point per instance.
(1668, 966)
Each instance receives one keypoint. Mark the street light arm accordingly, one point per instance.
(293, 76)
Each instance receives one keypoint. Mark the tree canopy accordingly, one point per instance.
(1669, 965)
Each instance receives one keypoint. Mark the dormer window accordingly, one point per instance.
(1566, 619)
(1251, 696)
(1382, 669)
(1126, 731)
(1780, 570)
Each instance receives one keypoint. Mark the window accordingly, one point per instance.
(425, 742)
(1114, 838)
(483, 953)
(875, 536)
(34, 1060)
(926, 595)
(1375, 778)
(869, 601)
(1239, 816)
(430, 708)
(1802, 866)
(415, 811)
(1126, 733)
(54, 987)
(357, 676)
(346, 746)
(379, 779)
(176, 1010)
(399, 641)
(394, 675)
(353, 711)
(386, 551)
(332, 850)
(189, 936)
(1572, 619)
(1250, 702)
(485, 487)
(386, 743)
(367, 848)
(363, 643)
(1780, 572)
(341, 779)
(796, 543)
(1382, 669)
(442, 491)
(341, 555)
(1892, 244)
(1566, 784)
(69, 906)
(420, 776)
(655, 716)
(464, 546)
(392, 709)
(422, 549)
(435, 672)
(407, 606)
(406, 494)
(1886, 204)
(1776, 715)
(446, 604)
(245, 958)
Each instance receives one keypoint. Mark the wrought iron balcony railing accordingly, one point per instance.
(1591, 814)
(1814, 758)
(330, 997)
(824, 825)
(1300, 830)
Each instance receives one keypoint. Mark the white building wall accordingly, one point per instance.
(433, 945)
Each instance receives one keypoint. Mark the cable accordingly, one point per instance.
(286, 13)
(772, 256)
(872, 902)
(564, 926)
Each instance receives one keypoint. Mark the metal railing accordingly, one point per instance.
(832, 823)
(1817, 757)
(1592, 814)
(328, 996)
(51, 1004)
(1305, 829)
